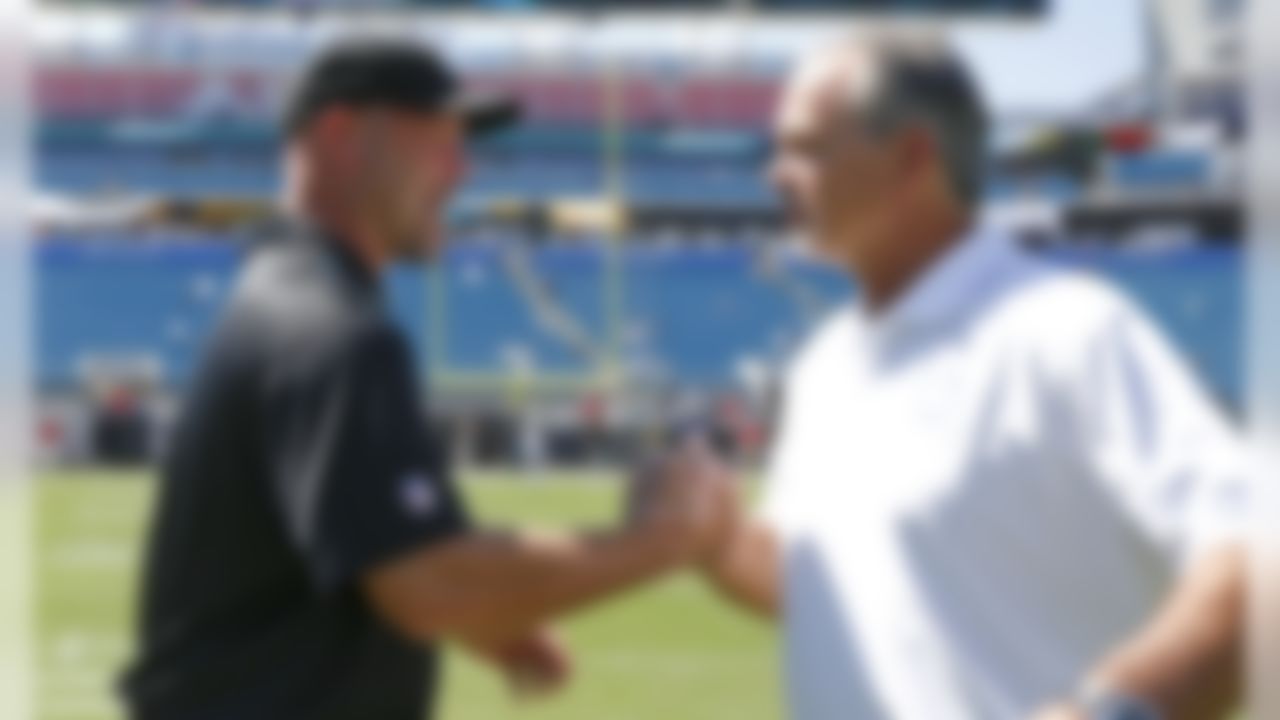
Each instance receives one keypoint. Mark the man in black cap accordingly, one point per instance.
(309, 546)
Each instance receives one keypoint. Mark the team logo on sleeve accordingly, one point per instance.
(418, 496)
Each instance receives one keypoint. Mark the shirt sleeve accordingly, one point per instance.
(1159, 447)
(358, 475)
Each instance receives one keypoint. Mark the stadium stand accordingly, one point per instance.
(695, 314)
(175, 143)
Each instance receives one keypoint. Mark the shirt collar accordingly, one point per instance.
(948, 286)
(316, 238)
(353, 267)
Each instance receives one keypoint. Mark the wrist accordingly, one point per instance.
(1103, 701)
(718, 561)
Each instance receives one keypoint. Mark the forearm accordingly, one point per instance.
(748, 569)
(490, 587)
(1188, 661)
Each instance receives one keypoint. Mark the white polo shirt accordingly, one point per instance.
(985, 488)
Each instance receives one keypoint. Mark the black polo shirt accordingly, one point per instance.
(300, 461)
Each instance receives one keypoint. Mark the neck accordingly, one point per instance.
(915, 246)
(331, 210)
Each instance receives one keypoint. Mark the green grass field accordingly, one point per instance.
(670, 652)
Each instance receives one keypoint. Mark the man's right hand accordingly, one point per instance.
(690, 501)
(687, 502)
(505, 584)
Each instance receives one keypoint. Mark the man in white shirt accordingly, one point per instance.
(997, 492)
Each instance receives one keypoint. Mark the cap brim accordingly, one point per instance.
(486, 114)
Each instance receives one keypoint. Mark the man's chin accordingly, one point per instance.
(430, 249)
(421, 250)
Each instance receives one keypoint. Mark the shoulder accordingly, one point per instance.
(303, 320)
(1066, 330)
(1056, 311)
(288, 284)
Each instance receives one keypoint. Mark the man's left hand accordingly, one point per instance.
(535, 666)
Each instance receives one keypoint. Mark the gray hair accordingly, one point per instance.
(922, 82)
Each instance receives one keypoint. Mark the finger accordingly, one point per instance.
(527, 684)
(645, 485)
(545, 670)
(554, 654)
(689, 461)
(557, 667)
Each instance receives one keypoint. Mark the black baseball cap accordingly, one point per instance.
(392, 73)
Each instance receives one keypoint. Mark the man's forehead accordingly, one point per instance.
(425, 123)
(824, 82)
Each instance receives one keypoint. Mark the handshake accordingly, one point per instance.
(686, 504)
(681, 511)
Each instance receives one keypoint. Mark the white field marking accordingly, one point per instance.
(86, 662)
(91, 555)
(88, 514)
(72, 646)
(664, 660)
(597, 483)
(669, 662)
(80, 684)
(78, 708)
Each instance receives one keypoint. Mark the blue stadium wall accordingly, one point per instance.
(694, 313)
